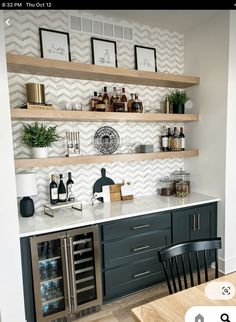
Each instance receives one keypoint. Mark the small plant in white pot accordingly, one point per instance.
(38, 137)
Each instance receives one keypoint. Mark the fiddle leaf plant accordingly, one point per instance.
(178, 97)
(39, 135)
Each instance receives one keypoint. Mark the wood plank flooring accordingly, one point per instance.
(120, 310)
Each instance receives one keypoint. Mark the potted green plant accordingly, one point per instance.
(38, 137)
(178, 99)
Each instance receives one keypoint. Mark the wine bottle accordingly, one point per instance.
(53, 190)
(170, 139)
(182, 139)
(70, 188)
(164, 140)
(61, 190)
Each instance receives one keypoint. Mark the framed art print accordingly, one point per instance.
(104, 52)
(145, 58)
(54, 44)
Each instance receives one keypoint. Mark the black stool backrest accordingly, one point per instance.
(175, 263)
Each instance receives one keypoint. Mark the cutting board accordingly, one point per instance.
(103, 181)
(115, 192)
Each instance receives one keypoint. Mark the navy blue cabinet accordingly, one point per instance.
(194, 223)
(129, 248)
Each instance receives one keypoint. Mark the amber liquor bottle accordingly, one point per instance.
(124, 100)
(106, 99)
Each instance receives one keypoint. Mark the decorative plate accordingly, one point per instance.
(106, 140)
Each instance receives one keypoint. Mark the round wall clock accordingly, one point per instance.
(106, 140)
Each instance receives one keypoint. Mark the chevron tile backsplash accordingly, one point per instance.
(22, 37)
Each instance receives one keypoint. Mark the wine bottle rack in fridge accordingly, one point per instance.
(66, 273)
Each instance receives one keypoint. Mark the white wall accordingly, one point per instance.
(230, 209)
(22, 37)
(11, 296)
(206, 55)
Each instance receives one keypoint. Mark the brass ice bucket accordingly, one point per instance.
(35, 93)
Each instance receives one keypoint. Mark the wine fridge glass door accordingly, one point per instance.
(50, 274)
(85, 267)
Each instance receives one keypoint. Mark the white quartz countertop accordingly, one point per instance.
(40, 223)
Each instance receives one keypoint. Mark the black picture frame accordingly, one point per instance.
(104, 52)
(145, 58)
(54, 44)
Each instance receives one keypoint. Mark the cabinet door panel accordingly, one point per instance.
(202, 223)
(135, 248)
(182, 221)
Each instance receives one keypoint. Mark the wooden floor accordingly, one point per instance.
(120, 310)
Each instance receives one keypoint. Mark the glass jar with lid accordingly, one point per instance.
(182, 177)
(166, 186)
(181, 189)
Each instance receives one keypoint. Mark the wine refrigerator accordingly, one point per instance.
(66, 274)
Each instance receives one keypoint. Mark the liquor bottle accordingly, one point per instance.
(164, 140)
(176, 140)
(112, 99)
(118, 105)
(137, 105)
(129, 105)
(53, 190)
(106, 99)
(70, 188)
(94, 101)
(100, 106)
(182, 139)
(124, 99)
(61, 190)
(170, 139)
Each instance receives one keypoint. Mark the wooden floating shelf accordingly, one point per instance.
(63, 161)
(82, 116)
(57, 68)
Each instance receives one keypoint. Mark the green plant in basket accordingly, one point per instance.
(39, 135)
(178, 97)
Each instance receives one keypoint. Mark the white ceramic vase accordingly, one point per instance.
(40, 153)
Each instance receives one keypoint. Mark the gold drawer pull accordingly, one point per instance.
(141, 274)
(140, 248)
(140, 227)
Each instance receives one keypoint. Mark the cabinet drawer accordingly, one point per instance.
(131, 278)
(135, 248)
(136, 225)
